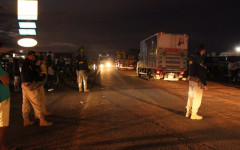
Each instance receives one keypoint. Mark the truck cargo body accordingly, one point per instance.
(163, 56)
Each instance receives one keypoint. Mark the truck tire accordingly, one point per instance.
(139, 75)
(149, 76)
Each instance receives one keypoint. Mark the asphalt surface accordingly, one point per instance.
(125, 112)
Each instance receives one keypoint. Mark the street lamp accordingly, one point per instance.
(27, 42)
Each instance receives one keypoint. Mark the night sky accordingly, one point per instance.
(108, 25)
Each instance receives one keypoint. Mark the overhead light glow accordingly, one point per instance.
(238, 49)
(27, 42)
(27, 32)
(26, 25)
(27, 9)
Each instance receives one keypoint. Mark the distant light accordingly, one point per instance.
(101, 66)
(14, 55)
(238, 49)
(30, 25)
(107, 54)
(23, 56)
(21, 51)
(27, 32)
(100, 54)
(27, 42)
(27, 9)
(94, 67)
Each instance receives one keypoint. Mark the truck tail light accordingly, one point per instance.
(158, 72)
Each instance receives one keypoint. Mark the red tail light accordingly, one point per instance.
(182, 73)
(158, 72)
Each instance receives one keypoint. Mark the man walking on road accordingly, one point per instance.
(197, 82)
(30, 92)
(4, 106)
(81, 69)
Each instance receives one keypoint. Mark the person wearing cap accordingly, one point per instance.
(81, 70)
(197, 83)
(40, 77)
(4, 106)
(30, 92)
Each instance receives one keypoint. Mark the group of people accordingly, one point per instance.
(34, 72)
(32, 91)
(45, 63)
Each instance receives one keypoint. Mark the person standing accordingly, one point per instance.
(50, 78)
(16, 74)
(4, 106)
(30, 92)
(61, 64)
(81, 70)
(197, 82)
(40, 78)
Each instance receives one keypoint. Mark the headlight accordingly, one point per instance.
(101, 66)
(108, 64)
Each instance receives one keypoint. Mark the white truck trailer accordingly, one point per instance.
(163, 56)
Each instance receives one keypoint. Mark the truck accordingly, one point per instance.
(124, 61)
(163, 56)
(105, 61)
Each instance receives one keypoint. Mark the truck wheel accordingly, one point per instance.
(139, 75)
(149, 76)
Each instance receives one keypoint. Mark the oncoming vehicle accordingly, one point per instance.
(105, 61)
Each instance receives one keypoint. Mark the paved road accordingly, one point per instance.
(125, 112)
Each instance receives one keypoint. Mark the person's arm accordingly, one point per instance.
(202, 75)
(4, 77)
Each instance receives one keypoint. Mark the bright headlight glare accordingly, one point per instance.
(108, 64)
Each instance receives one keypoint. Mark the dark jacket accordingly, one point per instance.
(81, 63)
(28, 73)
(198, 69)
(37, 71)
(16, 71)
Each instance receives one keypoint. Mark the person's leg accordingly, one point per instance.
(2, 141)
(43, 101)
(26, 108)
(34, 99)
(198, 93)
(4, 121)
(80, 81)
(85, 82)
(190, 99)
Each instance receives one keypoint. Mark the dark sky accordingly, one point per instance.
(107, 25)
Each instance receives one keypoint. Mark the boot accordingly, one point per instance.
(47, 114)
(188, 113)
(195, 116)
(44, 123)
(86, 90)
(80, 90)
(27, 122)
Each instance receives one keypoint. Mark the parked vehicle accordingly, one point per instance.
(222, 68)
(163, 56)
